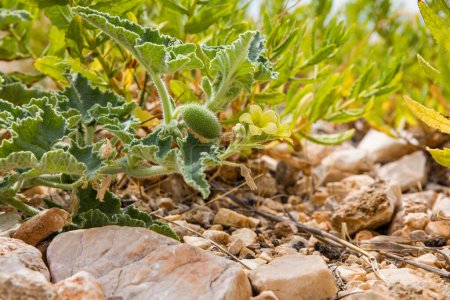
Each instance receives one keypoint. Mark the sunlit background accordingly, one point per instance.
(408, 6)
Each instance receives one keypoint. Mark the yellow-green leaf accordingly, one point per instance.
(429, 116)
(442, 157)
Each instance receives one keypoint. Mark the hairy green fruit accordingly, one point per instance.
(201, 120)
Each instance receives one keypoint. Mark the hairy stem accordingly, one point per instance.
(137, 172)
(57, 185)
(16, 203)
(89, 135)
(164, 95)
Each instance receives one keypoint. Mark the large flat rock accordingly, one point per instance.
(136, 263)
(295, 277)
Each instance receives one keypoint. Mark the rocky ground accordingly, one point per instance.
(345, 222)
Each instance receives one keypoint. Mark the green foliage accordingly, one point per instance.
(114, 66)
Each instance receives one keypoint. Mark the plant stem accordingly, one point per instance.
(57, 185)
(89, 135)
(16, 203)
(164, 95)
(137, 172)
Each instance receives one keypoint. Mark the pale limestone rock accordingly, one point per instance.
(409, 171)
(368, 208)
(266, 256)
(412, 203)
(247, 236)
(236, 246)
(19, 282)
(253, 263)
(202, 215)
(347, 160)
(438, 228)
(180, 228)
(350, 273)
(227, 217)
(427, 259)
(9, 223)
(266, 295)
(267, 185)
(382, 148)
(338, 190)
(42, 225)
(165, 202)
(416, 220)
(197, 241)
(81, 286)
(29, 256)
(220, 237)
(442, 206)
(136, 263)
(285, 229)
(408, 284)
(295, 277)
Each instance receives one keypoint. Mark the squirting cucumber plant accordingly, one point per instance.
(52, 134)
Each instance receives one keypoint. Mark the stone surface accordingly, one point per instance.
(382, 148)
(285, 229)
(236, 246)
(442, 206)
(407, 284)
(367, 208)
(9, 223)
(350, 273)
(197, 241)
(266, 295)
(227, 217)
(347, 160)
(438, 228)
(80, 286)
(136, 263)
(427, 259)
(407, 172)
(19, 282)
(416, 220)
(295, 277)
(267, 185)
(338, 190)
(29, 256)
(220, 237)
(42, 225)
(412, 203)
(247, 236)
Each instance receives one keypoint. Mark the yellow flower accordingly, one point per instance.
(260, 122)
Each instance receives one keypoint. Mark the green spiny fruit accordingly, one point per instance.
(201, 120)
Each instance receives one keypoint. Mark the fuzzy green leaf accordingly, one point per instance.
(36, 134)
(155, 147)
(157, 52)
(18, 160)
(59, 161)
(17, 93)
(234, 69)
(193, 160)
(89, 157)
(10, 16)
(95, 213)
(92, 102)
